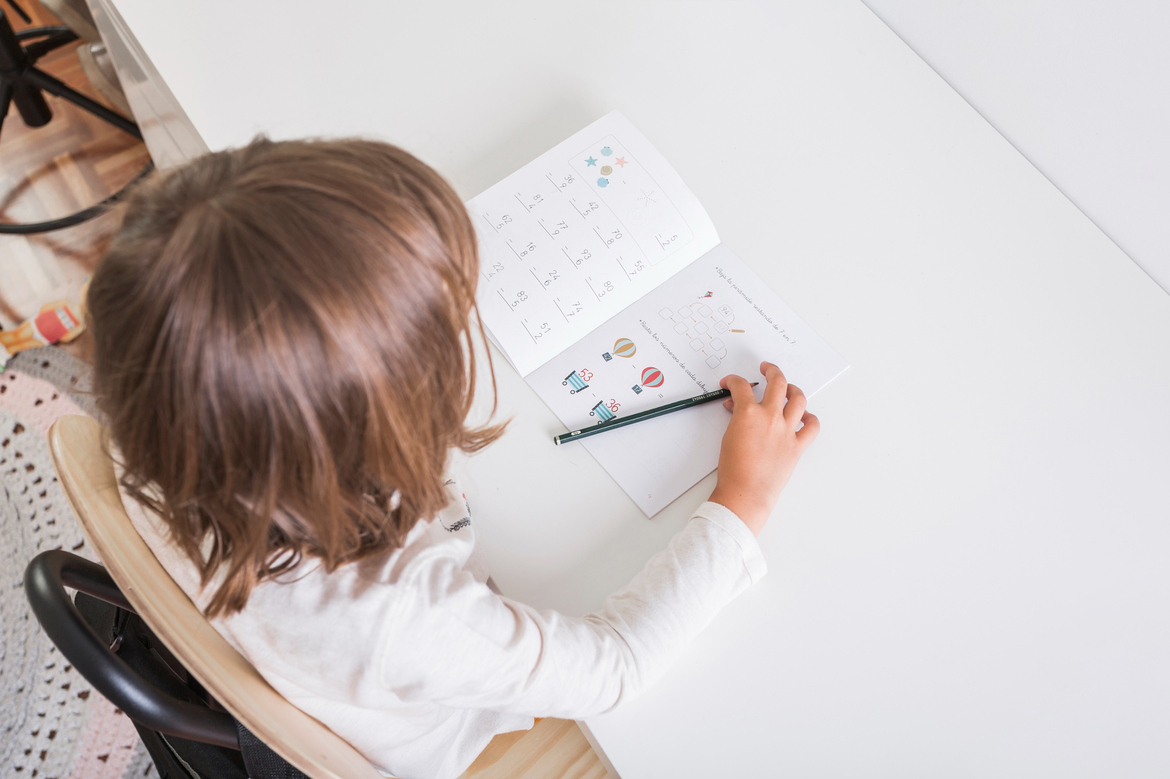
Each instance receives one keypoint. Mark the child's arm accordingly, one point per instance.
(465, 646)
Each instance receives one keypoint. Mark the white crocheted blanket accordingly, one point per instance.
(53, 725)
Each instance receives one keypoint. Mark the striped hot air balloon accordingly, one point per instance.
(652, 377)
(624, 347)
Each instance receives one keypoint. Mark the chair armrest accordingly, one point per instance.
(45, 580)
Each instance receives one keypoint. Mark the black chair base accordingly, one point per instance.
(187, 733)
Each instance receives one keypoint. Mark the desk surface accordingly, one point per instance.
(1075, 85)
(969, 569)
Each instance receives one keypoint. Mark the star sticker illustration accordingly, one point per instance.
(590, 161)
(620, 162)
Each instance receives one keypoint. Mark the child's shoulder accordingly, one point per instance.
(445, 540)
(456, 515)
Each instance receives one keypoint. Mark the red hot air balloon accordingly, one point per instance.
(652, 377)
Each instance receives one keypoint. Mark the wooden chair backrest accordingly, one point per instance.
(87, 474)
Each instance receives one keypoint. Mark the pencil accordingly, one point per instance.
(669, 408)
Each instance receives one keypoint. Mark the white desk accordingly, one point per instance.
(969, 570)
(1078, 86)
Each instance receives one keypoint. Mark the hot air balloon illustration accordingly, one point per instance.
(652, 378)
(624, 347)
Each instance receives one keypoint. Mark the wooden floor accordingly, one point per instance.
(75, 161)
(71, 163)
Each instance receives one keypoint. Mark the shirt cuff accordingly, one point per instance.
(729, 521)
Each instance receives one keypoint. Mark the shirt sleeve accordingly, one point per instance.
(464, 646)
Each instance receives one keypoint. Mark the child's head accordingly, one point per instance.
(283, 353)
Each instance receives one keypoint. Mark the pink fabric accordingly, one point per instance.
(109, 740)
(107, 744)
(34, 401)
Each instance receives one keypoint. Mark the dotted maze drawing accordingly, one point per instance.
(703, 327)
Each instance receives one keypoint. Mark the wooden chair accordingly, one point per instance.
(87, 475)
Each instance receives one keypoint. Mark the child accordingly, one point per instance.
(284, 356)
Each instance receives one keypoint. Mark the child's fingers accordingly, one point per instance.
(729, 404)
(777, 385)
(741, 388)
(812, 426)
(796, 405)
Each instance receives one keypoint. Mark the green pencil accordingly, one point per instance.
(669, 408)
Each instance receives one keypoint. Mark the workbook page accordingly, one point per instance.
(713, 318)
(577, 235)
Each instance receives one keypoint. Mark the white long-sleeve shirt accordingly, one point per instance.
(411, 657)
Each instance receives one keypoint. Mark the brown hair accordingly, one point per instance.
(282, 342)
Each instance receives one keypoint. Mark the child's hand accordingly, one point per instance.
(762, 445)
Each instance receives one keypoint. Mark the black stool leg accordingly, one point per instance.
(20, 11)
(43, 80)
(5, 101)
(23, 84)
(53, 39)
(13, 64)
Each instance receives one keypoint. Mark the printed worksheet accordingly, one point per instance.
(713, 318)
(604, 283)
(577, 235)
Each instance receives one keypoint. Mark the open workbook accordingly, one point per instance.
(603, 282)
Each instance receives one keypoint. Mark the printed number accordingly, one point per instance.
(585, 374)
(531, 247)
(613, 405)
(552, 276)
